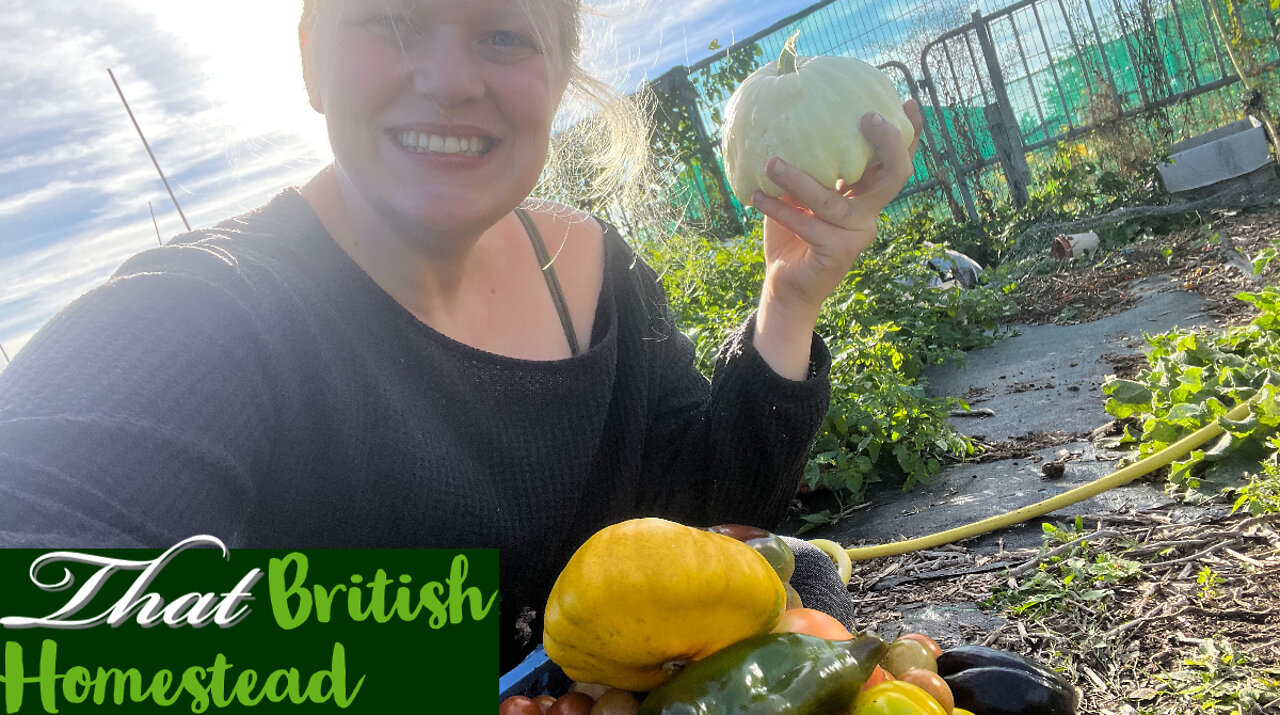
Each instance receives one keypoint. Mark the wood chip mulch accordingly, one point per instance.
(1196, 626)
(1192, 259)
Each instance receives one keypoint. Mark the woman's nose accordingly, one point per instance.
(446, 71)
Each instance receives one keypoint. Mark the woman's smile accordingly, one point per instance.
(423, 143)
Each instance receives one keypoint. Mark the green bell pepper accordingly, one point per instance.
(776, 673)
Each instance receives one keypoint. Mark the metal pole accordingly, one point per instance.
(148, 147)
(1015, 160)
(688, 95)
(154, 223)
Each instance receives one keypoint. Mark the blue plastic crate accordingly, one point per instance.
(536, 675)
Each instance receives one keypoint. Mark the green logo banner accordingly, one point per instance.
(203, 628)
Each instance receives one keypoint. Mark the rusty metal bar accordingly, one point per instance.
(1186, 44)
(1014, 157)
(948, 144)
(1075, 43)
(1214, 39)
(1102, 54)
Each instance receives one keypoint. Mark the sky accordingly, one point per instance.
(217, 89)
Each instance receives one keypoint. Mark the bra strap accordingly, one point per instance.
(553, 283)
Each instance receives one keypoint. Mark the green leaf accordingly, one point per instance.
(1240, 428)
(1128, 391)
(1186, 414)
(1161, 431)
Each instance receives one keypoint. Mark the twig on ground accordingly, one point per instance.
(1035, 562)
(1193, 557)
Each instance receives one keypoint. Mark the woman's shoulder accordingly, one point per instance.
(274, 234)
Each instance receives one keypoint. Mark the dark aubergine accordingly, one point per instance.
(1008, 691)
(977, 656)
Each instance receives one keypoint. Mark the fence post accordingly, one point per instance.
(1008, 140)
(706, 150)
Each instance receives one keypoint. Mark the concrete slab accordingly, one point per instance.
(1046, 378)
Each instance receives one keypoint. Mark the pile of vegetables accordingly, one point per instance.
(651, 617)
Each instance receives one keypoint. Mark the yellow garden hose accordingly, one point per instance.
(1115, 479)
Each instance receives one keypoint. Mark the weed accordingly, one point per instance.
(884, 325)
(1209, 583)
(1217, 678)
(1083, 574)
(1260, 494)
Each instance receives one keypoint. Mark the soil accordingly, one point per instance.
(1023, 447)
(1185, 614)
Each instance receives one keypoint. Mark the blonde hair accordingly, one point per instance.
(601, 163)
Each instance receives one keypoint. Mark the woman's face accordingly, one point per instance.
(439, 111)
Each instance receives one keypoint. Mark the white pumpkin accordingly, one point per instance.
(807, 111)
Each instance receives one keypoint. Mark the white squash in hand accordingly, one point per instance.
(805, 110)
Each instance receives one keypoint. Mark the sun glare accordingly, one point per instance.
(252, 74)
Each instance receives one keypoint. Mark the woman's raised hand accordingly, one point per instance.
(813, 234)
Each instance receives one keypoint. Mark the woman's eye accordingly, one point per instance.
(506, 38)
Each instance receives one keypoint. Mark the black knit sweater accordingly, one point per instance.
(251, 382)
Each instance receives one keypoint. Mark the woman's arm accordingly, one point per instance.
(732, 449)
(135, 417)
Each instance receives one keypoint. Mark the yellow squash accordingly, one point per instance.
(641, 598)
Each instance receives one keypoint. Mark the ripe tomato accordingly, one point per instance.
(878, 676)
(933, 684)
(812, 622)
(572, 704)
(934, 649)
(519, 705)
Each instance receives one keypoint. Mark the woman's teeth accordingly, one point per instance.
(436, 144)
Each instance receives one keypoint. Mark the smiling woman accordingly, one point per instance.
(412, 350)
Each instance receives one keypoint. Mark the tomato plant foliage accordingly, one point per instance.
(883, 326)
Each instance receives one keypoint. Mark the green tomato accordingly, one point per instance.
(907, 655)
(770, 546)
(777, 553)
